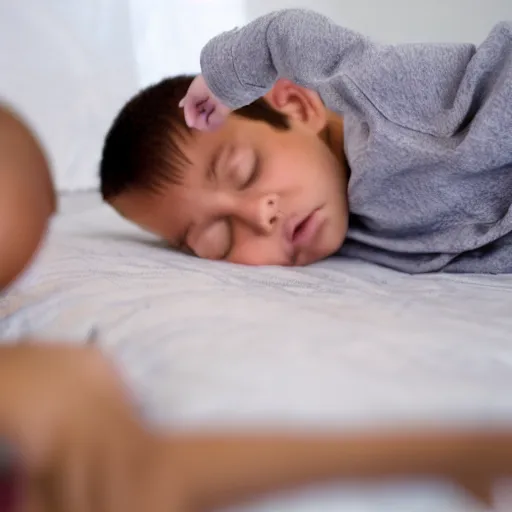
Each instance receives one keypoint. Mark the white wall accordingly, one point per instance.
(69, 65)
(66, 66)
(168, 35)
(395, 21)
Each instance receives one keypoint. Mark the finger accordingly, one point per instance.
(216, 119)
(190, 111)
(192, 108)
(74, 490)
(201, 123)
(185, 100)
(202, 104)
(189, 114)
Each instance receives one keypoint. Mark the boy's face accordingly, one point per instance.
(253, 194)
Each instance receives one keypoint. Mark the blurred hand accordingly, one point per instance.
(83, 449)
(81, 446)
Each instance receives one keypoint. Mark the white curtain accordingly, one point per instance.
(168, 34)
(69, 65)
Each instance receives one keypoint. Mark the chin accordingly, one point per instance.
(337, 241)
(310, 259)
(332, 247)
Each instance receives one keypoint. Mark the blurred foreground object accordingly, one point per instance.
(27, 196)
(83, 448)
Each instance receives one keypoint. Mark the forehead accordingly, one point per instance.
(199, 148)
(163, 211)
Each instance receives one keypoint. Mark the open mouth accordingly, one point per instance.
(304, 231)
(300, 228)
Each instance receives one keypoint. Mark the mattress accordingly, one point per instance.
(339, 344)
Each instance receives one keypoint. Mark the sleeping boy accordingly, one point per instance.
(70, 436)
(302, 139)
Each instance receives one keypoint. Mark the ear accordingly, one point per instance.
(300, 105)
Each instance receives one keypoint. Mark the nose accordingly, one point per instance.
(261, 212)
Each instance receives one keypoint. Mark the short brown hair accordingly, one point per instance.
(142, 149)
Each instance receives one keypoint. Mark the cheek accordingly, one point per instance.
(256, 250)
(300, 170)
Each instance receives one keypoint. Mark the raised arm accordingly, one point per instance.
(430, 88)
(308, 48)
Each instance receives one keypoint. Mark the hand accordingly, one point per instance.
(203, 111)
(81, 446)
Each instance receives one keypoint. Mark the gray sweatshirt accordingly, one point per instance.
(428, 133)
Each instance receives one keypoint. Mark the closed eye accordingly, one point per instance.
(229, 247)
(214, 241)
(254, 174)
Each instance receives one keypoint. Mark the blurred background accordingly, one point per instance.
(69, 65)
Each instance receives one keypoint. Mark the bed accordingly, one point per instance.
(339, 344)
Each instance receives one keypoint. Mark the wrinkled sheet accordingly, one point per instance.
(338, 344)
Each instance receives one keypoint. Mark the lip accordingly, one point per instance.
(301, 231)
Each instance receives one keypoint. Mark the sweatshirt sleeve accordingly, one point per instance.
(430, 88)
(243, 64)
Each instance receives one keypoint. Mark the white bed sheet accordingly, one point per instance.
(340, 343)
